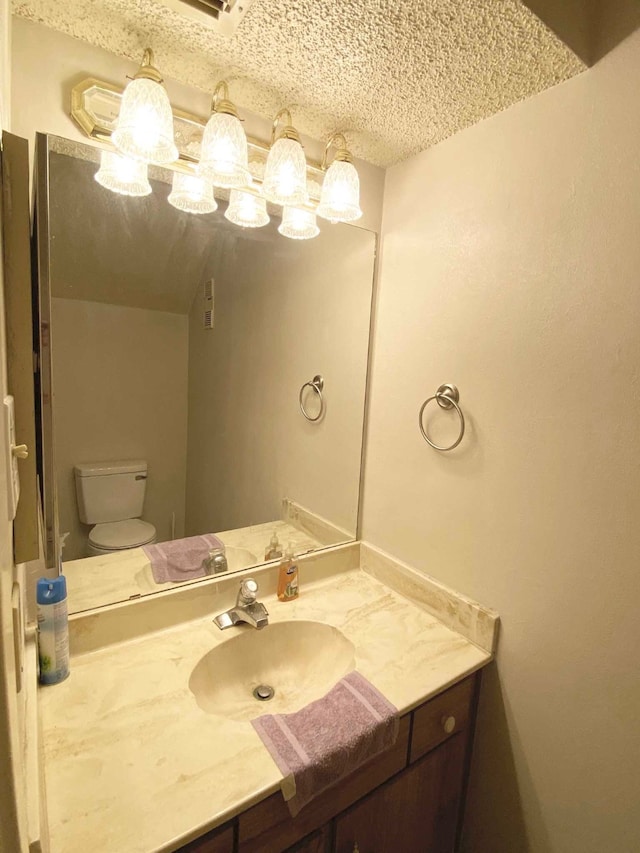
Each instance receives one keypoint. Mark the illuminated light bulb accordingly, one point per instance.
(191, 194)
(122, 175)
(285, 174)
(146, 132)
(224, 155)
(298, 224)
(144, 128)
(246, 210)
(340, 199)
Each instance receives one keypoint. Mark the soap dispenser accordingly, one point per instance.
(274, 549)
(288, 576)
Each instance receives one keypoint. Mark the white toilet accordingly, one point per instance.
(111, 496)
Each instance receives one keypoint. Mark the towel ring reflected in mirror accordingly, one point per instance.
(447, 397)
(317, 386)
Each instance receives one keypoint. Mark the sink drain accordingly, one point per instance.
(264, 692)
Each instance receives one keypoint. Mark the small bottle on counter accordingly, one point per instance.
(53, 629)
(274, 549)
(288, 576)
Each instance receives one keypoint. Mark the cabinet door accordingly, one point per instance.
(417, 812)
(217, 841)
(269, 828)
(319, 842)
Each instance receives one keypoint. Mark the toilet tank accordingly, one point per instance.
(110, 491)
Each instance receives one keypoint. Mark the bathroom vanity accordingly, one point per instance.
(144, 754)
(148, 747)
(409, 798)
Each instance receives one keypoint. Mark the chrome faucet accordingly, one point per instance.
(216, 562)
(247, 609)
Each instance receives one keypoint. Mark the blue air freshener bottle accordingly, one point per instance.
(53, 630)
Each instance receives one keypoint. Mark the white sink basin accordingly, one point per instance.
(301, 661)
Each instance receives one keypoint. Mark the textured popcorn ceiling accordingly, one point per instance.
(396, 76)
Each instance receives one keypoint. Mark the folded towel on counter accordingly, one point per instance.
(329, 738)
(181, 559)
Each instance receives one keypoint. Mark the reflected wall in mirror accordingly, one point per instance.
(179, 347)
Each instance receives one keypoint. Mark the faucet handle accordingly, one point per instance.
(248, 591)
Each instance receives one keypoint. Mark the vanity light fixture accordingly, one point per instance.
(145, 124)
(298, 224)
(122, 174)
(192, 194)
(278, 172)
(224, 155)
(340, 198)
(285, 174)
(246, 210)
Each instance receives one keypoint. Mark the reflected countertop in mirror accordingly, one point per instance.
(188, 343)
(124, 575)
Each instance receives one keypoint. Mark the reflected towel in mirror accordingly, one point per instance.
(181, 559)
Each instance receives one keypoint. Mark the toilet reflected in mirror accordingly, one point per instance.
(111, 498)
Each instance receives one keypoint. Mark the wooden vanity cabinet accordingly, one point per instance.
(416, 812)
(220, 840)
(269, 828)
(319, 842)
(407, 799)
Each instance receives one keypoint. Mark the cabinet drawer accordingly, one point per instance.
(442, 717)
(268, 826)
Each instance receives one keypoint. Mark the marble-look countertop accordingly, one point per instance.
(109, 578)
(132, 763)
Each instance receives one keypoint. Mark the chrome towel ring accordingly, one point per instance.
(447, 397)
(316, 385)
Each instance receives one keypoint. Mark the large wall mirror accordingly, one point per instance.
(181, 346)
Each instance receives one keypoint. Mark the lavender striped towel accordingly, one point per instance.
(180, 559)
(329, 738)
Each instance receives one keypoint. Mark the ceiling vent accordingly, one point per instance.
(223, 16)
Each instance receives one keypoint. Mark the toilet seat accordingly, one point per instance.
(120, 535)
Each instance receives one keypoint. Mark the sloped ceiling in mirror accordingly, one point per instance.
(136, 252)
(398, 76)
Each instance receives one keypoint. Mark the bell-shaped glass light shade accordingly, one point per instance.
(122, 174)
(246, 210)
(145, 124)
(224, 156)
(298, 224)
(340, 199)
(191, 194)
(285, 174)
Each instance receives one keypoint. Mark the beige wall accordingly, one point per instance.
(572, 20)
(46, 64)
(288, 310)
(510, 265)
(591, 28)
(120, 392)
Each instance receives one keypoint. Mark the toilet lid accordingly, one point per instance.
(116, 535)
